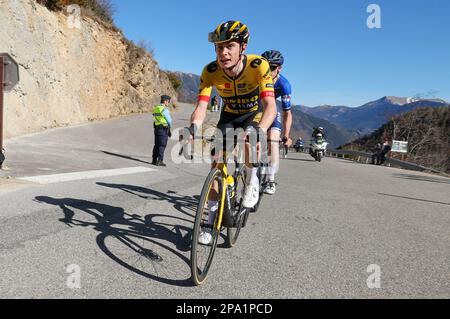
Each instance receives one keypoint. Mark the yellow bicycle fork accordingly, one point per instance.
(228, 180)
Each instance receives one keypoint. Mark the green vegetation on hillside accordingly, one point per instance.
(174, 79)
(427, 130)
(101, 9)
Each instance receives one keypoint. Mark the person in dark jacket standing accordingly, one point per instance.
(162, 125)
(384, 151)
(376, 154)
(214, 104)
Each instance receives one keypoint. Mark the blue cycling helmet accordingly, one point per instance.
(274, 57)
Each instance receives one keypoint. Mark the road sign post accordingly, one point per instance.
(2, 157)
(9, 77)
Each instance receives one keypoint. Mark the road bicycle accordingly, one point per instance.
(228, 190)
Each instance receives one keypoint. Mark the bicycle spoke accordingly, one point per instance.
(238, 210)
(205, 234)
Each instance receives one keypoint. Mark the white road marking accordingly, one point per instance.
(59, 178)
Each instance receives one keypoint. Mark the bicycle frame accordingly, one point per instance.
(227, 180)
(224, 170)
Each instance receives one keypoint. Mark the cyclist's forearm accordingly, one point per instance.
(287, 123)
(270, 112)
(199, 115)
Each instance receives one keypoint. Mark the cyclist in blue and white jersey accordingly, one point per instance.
(281, 124)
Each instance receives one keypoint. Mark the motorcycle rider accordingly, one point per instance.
(318, 130)
(317, 135)
(299, 144)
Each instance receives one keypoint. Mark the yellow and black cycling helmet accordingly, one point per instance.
(230, 30)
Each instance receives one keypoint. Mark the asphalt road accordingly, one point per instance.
(127, 235)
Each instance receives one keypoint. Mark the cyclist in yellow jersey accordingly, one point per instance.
(246, 87)
(240, 94)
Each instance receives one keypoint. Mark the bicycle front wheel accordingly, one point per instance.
(206, 223)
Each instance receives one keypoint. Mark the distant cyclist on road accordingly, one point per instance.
(245, 85)
(283, 90)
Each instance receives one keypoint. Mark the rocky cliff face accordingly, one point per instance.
(188, 92)
(72, 75)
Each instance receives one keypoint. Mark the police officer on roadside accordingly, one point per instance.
(162, 125)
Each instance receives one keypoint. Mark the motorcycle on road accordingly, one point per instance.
(318, 148)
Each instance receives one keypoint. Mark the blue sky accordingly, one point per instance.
(332, 57)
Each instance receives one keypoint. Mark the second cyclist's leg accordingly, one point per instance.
(274, 147)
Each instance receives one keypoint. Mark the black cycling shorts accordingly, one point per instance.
(231, 126)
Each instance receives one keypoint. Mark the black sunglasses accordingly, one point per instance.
(273, 67)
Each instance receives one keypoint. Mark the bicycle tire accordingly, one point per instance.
(283, 151)
(262, 183)
(238, 210)
(199, 275)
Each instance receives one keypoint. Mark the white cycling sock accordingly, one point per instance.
(273, 171)
(272, 177)
(252, 176)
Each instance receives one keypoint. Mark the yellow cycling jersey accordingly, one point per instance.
(242, 94)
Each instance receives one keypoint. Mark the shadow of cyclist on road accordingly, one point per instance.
(184, 204)
(132, 241)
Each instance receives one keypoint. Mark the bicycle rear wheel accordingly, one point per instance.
(237, 210)
(283, 151)
(262, 177)
(202, 255)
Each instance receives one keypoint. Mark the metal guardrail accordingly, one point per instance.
(367, 158)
